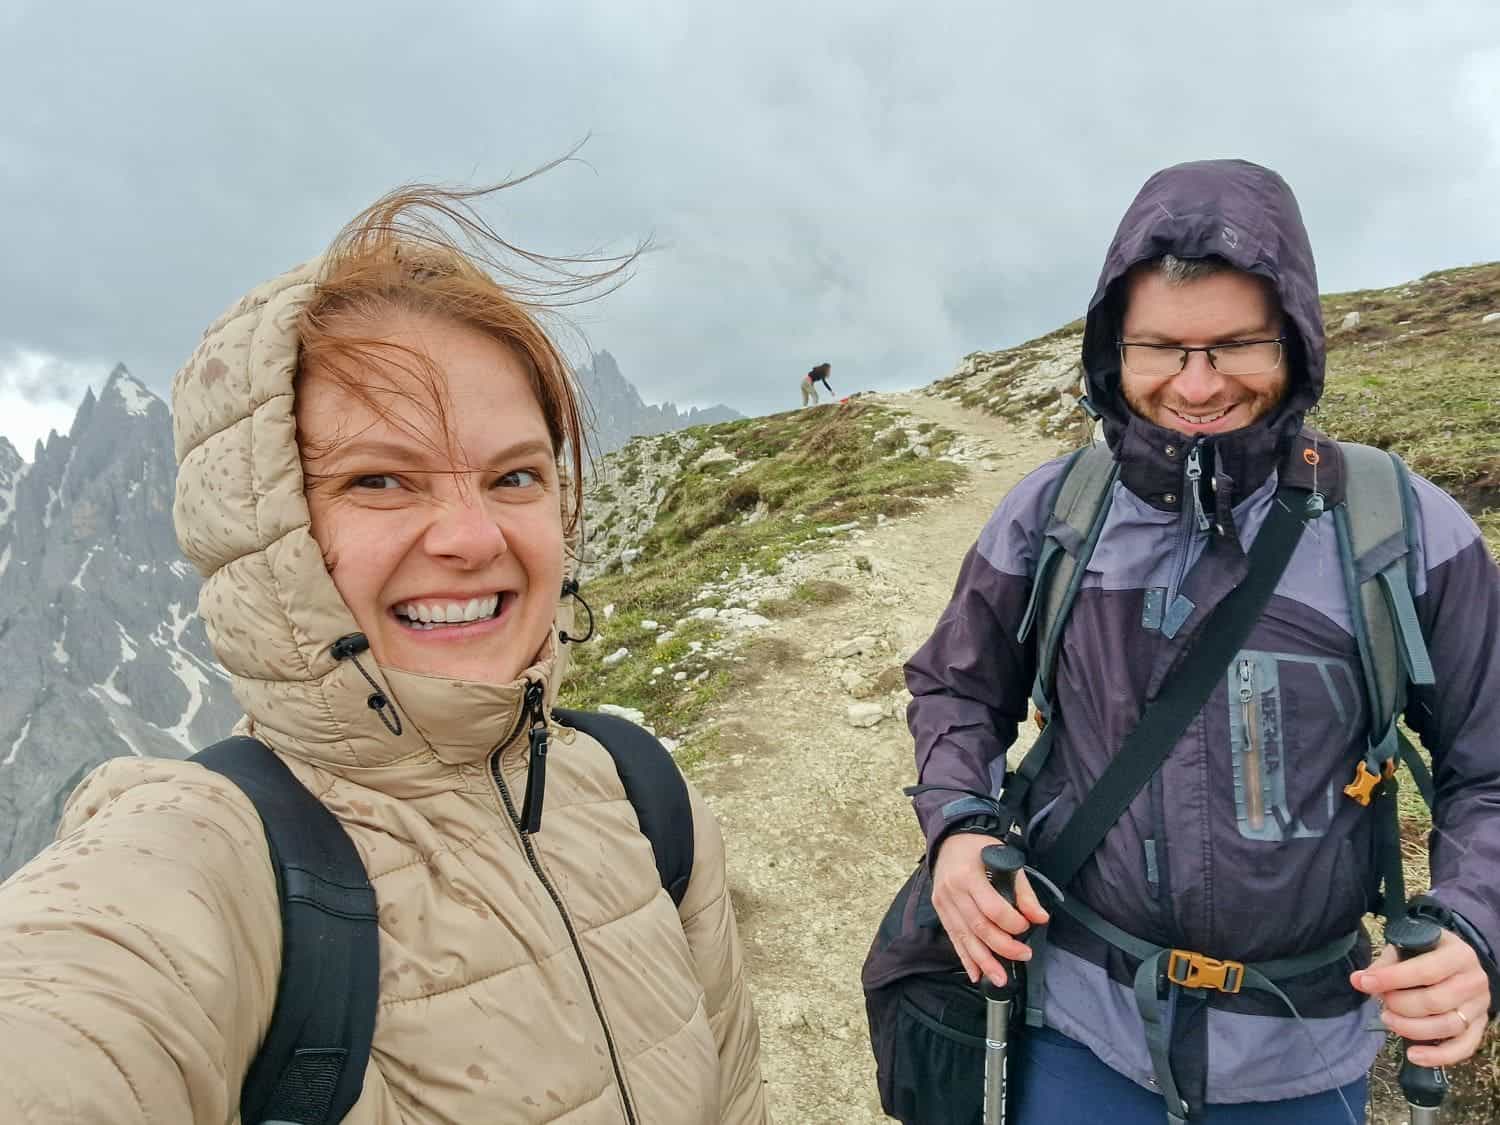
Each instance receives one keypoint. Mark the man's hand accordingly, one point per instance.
(980, 923)
(1440, 999)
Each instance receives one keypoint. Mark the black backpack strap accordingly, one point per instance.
(653, 784)
(1166, 717)
(311, 1065)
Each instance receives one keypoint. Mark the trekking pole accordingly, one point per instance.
(1424, 1086)
(1001, 862)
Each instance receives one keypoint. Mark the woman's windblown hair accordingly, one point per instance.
(424, 249)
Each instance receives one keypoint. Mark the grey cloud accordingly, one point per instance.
(849, 182)
(40, 380)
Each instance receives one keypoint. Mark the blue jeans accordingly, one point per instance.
(1060, 1080)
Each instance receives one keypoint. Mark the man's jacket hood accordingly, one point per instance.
(1246, 215)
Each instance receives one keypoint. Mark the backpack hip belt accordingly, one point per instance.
(1179, 968)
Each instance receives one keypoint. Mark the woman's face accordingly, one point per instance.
(450, 570)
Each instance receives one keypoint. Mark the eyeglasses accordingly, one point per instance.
(1244, 357)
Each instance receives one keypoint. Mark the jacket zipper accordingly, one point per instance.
(1251, 760)
(1194, 475)
(532, 710)
(1190, 516)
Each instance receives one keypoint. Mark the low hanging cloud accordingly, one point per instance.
(40, 393)
(843, 182)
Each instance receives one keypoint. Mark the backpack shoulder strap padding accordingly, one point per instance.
(1079, 507)
(311, 1066)
(653, 784)
(1378, 536)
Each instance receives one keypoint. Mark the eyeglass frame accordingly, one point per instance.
(1208, 350)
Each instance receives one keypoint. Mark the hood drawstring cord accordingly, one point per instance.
(570, 590)
(348, 648)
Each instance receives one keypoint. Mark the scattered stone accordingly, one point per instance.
(854, 647)
(615, 657)
(671, 744)
(922, 451)
(679, 676)
(695, 646)
(702, 613)
(628, 557)
(1350, 321)
(987, 466)
(761, 512)
(1490, 318)
(649, 625)
(701, 676)
(837, 528)
(609, 611)
(663, 638)
(637, 717)
(714, 456)
(864, 714)
(658, 670)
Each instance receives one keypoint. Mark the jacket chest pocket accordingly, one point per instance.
(1290, 719)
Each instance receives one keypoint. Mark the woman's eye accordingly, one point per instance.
(519, 478)
(376, 482)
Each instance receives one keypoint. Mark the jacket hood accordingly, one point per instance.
(268, 603)
(1248, 216)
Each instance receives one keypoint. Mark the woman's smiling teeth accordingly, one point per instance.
(430, 615)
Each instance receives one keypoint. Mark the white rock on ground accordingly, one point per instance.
(649, 625)
(630, 713)
(1490, 318)
(864, 714)
(1351, 320)
(854, 647)
(615, 657)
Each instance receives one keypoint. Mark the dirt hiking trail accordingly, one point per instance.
(818, 834)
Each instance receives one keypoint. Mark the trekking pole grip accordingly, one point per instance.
(1001, 863)
(1424, 1086)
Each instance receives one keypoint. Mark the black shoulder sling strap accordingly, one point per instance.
(1164, 720)
(311, 1065)
(654, 785)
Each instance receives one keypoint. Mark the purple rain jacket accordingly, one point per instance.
(1184, 867)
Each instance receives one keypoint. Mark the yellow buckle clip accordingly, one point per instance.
(1194, 970)
(1362, 788)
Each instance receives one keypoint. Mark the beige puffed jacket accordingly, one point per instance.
(139, 954)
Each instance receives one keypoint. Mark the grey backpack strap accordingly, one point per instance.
(1376, 536)
(1079, 508)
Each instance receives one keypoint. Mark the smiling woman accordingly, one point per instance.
(379, 474)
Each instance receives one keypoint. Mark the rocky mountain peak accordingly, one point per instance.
(106, 655)
(619, 413)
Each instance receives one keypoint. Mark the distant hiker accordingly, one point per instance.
(374, 452)
(1207, 961)
(818, 374)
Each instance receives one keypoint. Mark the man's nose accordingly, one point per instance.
(1198, 382)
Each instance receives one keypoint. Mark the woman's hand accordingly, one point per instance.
(980, 923)
(1438, 1001)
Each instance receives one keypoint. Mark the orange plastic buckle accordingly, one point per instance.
(1194, 970)
(1362, 788)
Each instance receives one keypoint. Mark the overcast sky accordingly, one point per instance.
(885, 186)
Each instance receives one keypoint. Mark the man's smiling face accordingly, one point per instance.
(1222, 308)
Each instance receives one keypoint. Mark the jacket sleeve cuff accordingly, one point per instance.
(1427, 906)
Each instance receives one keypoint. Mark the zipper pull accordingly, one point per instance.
(1247, 681)
(536, 766)
(1194, 475)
